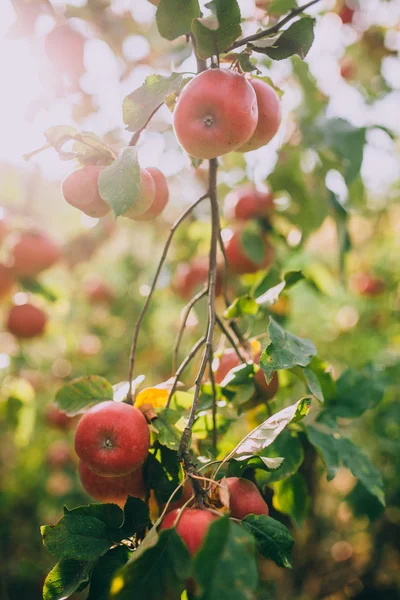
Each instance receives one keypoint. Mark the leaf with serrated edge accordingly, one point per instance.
(80, 394)
(273, 539)
(174, 17)
(211, 41)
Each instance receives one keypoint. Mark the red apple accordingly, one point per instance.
(33, 252)
(6, 280)
(227, 361)
(191, 277)
(98, 292)
(239, 261)
(112, 489)
(161, 197)
(145, 198)
(366, 284)
(56, 418)
(216, 113)
(245, 499)
(269, 116)
(80, 189)
(248, 203)
(112, 439)
(192, 526)
(26, 321)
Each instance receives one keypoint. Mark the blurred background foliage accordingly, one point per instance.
(334, 170)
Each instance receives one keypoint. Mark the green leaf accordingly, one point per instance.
(240, 307)
(34, 286)
(297, 39)
(364, 504)
(225, 567)
(58, 135)
(311, 380)
(253, 246)
(159, 572)
(174, 17)
(87, 147)
(169, 425)
(292, 498)
(76, 536)
(119, 184)
(284, 351)
(163, 476)
(262, 436)
(82, 393)
(326, 446)
(139, 105)
(65, 578)
(210, 41)
(357, 391)
(136, 517)
(242, 463)
(288, 445)
(273, 539)
(280, 7)
(110, 514)
(244, 60)
(105, 570)
(272, 294)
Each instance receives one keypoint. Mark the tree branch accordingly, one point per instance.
(183, 366)
(182, 326)
(274, 29)
(214, 407)
(174, 227)
(232, 342)
(135, 137)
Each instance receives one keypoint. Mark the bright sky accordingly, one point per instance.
(22, 124)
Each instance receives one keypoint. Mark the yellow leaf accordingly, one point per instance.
(157, 397)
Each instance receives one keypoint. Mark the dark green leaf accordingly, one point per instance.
(357, 391)
(225, 567)
(284, 351)
(174, 17)
(136, 517)
(253, 246)
(104, 571)
(169, 425)
(140, 104)
(225, 24)
(65, 578)
(119, 184)
(159, 572)
(110, 514)
(240, 307)
(82, 393)
(163, 476)
(273, 539)
(325, 444)
(364, 504)
(297, 39)
(292, 498)
(288, 445)
(272, 294)
(244, 60)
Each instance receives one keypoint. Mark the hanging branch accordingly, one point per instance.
(232, 342)
(274, 29)
(153, 286)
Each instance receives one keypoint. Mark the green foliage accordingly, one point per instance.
(104, 571)
(287, 444)
(284, 351)
(240, 307)
(164, 475)
(169, 426)
(65, 578)
(291, 497)
(119, 184)
(174, 17)
(296, 39)
(273, 539)
(215, 34)
(82, 393)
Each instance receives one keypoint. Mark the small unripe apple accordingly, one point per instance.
(192, 526)
(59, 454)
(245, 498)
(216, 113)
(56, 418)
(248, 203)
(161, 196)
(98, 292)
(64, 47)
(113, 490)
(80, 190)
(269, 116)
(26, 321)
(366, 284)
(240, 262)
(6, 280)
(145, 198)
(33, 252)
(112, 439)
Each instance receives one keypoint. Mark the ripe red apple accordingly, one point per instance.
(80, 190)
(191, 277)
(26, 321)
(366, 284)
(161, 197)
(6, 280)
(227, 361)
(64, 47)
(146, 197)
(112, 439)
(59, 454)
(247, 203)
(192, 526)
(33, 252)
(269, 116)
(268, 390)
(239, 261)
(216, 113)
(245, 499)
(114, 490)
(98, 291)
(346, 14)
(57, 419)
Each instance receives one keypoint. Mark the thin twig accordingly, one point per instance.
(174, 227)
(232, 342)
(183, 366)
(135, 137)
(274, 29)
(214, 407)
(212, 193)
(182, 326)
